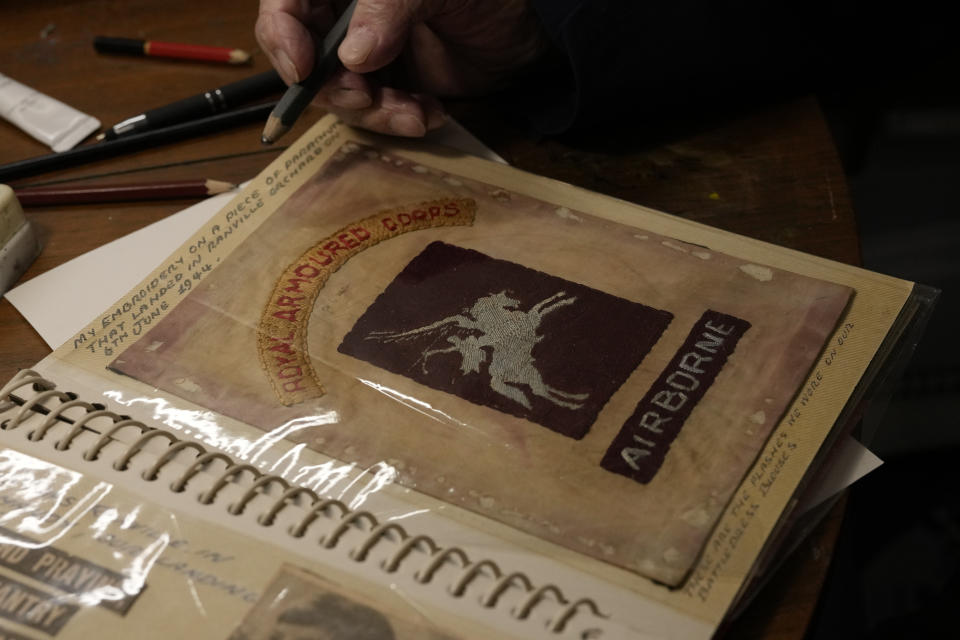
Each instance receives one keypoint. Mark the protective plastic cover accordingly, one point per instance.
(604, 387)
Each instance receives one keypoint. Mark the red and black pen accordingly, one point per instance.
(135, 47)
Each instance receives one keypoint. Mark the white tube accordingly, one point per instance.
(57, 125)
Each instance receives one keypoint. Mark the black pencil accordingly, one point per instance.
(299, 95)
(134, 142)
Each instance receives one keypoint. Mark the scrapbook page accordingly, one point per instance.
(90, 548)
(609, 389)
(341, 304)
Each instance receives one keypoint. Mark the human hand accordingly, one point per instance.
(444, 47)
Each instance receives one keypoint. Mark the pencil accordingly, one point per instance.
(100, 193)
(134, 142)
(299, 95)
(160, 49)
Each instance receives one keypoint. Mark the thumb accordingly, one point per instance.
(379, 30)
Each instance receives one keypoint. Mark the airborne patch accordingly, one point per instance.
(643, 442)
(505, 336)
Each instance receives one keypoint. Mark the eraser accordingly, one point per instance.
(19, 245)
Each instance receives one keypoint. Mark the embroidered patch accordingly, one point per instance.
(505, 336)
(282, 330)
(640, 448)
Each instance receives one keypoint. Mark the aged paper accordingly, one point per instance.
(442, 319)
(81, 558)
(317, 405)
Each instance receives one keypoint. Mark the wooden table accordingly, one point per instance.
(770, 173)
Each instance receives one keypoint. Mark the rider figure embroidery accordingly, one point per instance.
(501, 335)
(505, 336)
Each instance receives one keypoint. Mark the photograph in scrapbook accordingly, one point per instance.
(581, 385)
(302, 605)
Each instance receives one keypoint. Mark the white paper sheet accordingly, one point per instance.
(58, 309)
(850, 462)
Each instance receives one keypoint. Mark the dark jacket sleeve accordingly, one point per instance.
(638, 59)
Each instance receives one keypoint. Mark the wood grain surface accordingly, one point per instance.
(768, 171)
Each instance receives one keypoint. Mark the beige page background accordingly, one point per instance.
(757, 505)
(518, 472)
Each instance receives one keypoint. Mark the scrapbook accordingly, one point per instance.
(590, 416)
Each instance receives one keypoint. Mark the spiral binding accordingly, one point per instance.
(317, 506)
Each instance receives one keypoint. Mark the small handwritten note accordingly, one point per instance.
(133, 315)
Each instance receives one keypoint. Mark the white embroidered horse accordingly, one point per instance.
(496, 321)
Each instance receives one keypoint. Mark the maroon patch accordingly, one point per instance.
(640, 448)
(505, 336)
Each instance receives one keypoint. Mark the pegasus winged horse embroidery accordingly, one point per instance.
(500, 332)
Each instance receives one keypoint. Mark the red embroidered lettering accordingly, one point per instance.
(289, 336)
(294, 285)
(347, 241)
(324, 260)
(293, 385)
(283, 347)
(306, 271)
(287, 301)
(289, 316)
(284, 358)
(333, 246)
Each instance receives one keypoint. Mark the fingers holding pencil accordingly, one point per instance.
(352, 72)
(300, 94)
